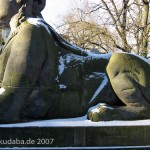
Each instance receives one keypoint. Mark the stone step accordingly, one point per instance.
(74, 133)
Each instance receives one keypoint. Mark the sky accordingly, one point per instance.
(55, 9)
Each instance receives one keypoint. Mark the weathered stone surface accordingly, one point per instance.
(43, 76)
(75, 136)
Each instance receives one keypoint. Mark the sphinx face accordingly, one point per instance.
(8, 8)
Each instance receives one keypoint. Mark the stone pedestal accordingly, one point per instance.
(69, 133)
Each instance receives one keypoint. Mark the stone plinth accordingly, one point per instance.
(75, 133)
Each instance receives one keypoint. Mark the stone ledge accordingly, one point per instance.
(78, 132)
(77, 136)
(77, 122)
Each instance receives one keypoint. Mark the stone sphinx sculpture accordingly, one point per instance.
(44, 77)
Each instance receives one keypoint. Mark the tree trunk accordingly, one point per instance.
(145, 14)
(126, 46)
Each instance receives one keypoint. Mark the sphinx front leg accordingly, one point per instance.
(135, 104)
(128, 90)
(107, 113)
(100, 112)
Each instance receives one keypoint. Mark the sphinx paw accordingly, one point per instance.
(100, 112)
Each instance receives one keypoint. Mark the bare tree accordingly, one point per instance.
(110, 25)
(81, 27)
(130, 19)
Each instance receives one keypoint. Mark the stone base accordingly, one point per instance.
(75, 136)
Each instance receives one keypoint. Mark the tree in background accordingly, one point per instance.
(81, 27)
(110, 25)
(131, 21)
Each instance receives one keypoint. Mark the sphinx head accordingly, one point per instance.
(8, 8)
